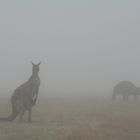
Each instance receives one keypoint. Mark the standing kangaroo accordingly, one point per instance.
(25, 96)
(125, 89)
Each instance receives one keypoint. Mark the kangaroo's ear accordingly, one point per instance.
(32, 63)
(39, 63)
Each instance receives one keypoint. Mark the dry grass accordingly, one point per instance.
(69, 119)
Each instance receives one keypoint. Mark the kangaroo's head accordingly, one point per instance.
(35, 68)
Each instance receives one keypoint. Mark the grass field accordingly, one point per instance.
(75, 119)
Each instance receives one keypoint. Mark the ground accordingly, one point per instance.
(75, 119)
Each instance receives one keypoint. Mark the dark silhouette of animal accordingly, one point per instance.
(25, 96)
(126, 89)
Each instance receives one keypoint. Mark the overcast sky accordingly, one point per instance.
(86, 46)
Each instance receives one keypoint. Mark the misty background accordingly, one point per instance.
(86, 46)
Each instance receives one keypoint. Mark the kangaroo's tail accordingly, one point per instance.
(11, 117)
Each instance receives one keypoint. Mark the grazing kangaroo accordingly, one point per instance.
(25, 96)
(125, 89)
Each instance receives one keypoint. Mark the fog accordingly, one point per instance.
(86, 47)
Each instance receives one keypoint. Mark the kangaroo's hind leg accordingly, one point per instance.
(30, 114)
(21, 116)
(21, 109)
(125, 97)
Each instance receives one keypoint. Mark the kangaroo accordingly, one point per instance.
(126, 89)
(25, 96)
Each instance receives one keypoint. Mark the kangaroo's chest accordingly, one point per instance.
(35, 83)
